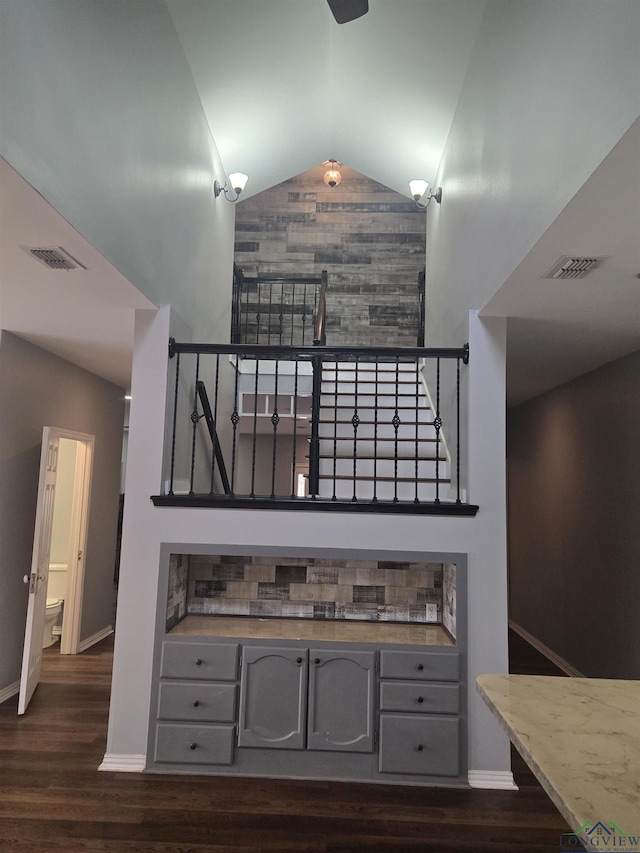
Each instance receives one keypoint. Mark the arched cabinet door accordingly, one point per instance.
(341, 701)
(273, 697)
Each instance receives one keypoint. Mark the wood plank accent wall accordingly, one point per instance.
(370, 239)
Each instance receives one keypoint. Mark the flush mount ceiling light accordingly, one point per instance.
(420, 191)
(236, 183)
(332, 176)
(348, 10)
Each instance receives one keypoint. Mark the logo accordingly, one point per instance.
(600, 836)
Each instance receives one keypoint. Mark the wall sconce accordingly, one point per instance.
(419, 189)
(332, 176)
(237, 182)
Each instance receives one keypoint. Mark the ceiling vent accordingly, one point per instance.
(55, 258)
(570, 267)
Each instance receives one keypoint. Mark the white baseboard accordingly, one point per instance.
(495, 780)
(9, 691)
(83, 645)
(124, 763)
(561, 663)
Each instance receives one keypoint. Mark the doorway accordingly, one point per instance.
(62, 515)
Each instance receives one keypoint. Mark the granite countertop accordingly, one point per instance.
(307, 629)
(581, 739)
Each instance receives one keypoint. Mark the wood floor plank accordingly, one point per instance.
(53, 798)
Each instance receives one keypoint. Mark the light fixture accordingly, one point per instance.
(332, 176)
(237, 182)
(419, 189)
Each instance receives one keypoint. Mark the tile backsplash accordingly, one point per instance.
(312, 588)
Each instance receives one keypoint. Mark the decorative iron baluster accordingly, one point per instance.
(417, 415)
(355, 422)
(235, 419)
(293, 308)
(438, 426)
(173, 432)
(458, 429)
(195, 417)
(294, 482)
(259, 295)
(336, 422)
(314, 445)
(396, 421)
(304, 313)
(275, 420)
(255, 429)
(269, 314)
(245, 336)
(281, 315)
(215, 421)
(375, 431)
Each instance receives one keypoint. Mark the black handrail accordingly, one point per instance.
(208, 416)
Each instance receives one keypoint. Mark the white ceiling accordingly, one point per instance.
(274, 124)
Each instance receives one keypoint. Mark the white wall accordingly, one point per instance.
(100, 114)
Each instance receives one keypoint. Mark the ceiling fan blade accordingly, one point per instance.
(348, 10)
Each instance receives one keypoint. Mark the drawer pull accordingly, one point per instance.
(196, 703)
(419, 747)
(198, 662)
(420, 700)
(298, 660)
(194, 745)
(317, 660)
(420, 667)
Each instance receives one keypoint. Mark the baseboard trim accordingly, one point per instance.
(123, 763)
(561, 663)
(495, 780)
(9, 691)
(83, 645)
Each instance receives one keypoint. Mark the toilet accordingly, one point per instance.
(54, 607)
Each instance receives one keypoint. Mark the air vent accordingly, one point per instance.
(55, 258)
(569, 267)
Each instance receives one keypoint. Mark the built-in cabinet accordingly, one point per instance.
(346, 711)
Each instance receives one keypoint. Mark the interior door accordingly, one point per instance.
(37, 580)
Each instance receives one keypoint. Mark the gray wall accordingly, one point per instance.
(574, 537)
(370, 239)
(38, 389)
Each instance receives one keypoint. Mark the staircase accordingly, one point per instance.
(377, 435)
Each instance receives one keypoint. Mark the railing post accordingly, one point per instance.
(314, 446)
(421, 306)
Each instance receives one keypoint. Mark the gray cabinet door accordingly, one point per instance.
(273, 697)
(341, 700)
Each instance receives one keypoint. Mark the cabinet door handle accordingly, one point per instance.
(419, 747)
(198, 662)
(420, 700)
(420, 667)
(196, 703)
(298, 660)
(193, 745)
(317, 660)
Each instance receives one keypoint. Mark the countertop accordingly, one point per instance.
(307, 629)
(581, 739)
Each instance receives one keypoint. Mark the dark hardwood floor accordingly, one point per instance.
(53, 799)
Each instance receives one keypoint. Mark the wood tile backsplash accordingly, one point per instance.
(312, 588)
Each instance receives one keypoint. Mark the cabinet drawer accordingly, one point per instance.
(428, 746)
(186, 744)
(199, 661)
(424, 666)
(419, 698)
(205, 702)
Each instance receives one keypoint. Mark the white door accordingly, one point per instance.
(37, 580)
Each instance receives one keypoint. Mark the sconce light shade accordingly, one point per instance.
(332, 176)
(237, 182)
(419, 189)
